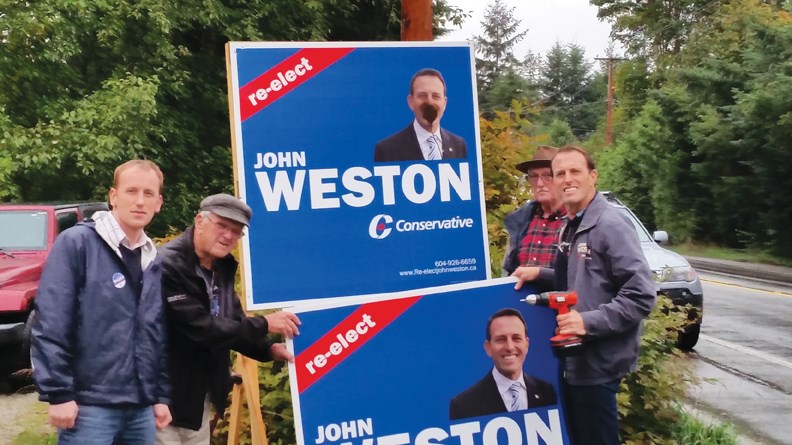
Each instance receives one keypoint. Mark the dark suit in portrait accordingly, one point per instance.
(404, 146)
(483, 398)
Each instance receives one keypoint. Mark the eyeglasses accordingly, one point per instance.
(534, 178)
(225, 228)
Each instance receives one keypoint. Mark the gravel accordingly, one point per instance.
(13, 407)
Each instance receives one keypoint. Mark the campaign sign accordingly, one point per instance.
(413, 369)
(351, 194)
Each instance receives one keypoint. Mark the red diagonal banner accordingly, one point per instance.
(345, 338)
(286, 76)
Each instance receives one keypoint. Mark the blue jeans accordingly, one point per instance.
(592, 417)
(101, 425)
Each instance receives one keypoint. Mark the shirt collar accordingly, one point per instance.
(504, 383)
(423, 135)
(560, 213)
(108, 228)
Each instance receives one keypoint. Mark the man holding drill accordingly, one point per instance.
(600, 258)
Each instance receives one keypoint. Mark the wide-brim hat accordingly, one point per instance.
(227, 206)
(542, 158)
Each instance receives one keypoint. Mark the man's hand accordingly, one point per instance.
(162, 415)
(63, 415)
(571, 323)
(279, 352)
(284, 323)
(525, 274)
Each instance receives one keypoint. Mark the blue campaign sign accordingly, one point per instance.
(415, 368)
(358, 183)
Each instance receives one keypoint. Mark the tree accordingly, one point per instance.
(653, 28)
(86, 85)
(501, 33)
(570, 90)
(715, 132)
(498, 67)
(506, 140)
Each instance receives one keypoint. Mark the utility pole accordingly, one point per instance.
(416, 23)
(609, 110)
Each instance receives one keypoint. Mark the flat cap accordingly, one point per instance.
(227, 206)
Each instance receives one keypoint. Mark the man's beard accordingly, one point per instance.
(429, 112)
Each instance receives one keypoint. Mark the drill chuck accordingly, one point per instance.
(531, 299)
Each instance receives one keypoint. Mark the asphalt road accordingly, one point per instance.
(745, 356)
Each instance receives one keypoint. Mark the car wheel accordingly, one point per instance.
(27, 336)
(689, 337)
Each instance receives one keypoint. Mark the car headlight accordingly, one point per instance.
(677, 273)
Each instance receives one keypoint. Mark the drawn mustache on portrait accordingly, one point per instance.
(429, 112)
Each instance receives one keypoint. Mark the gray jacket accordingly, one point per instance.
(608, 270)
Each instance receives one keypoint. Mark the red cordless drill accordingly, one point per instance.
(567, 344)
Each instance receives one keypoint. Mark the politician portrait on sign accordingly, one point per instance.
(424, 138)
(506, 387)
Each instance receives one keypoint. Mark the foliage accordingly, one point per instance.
(652, 28)
(703, 141)
(87, 85)
(649, 398)
(506, 141)
(501, 33)
(745, 255)
(571, 90)
(559, 133)
(276, 409)
(499, 79)
(691, 430)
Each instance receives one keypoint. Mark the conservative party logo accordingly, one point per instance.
(380, 226)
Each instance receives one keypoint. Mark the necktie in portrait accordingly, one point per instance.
(514, 392)
(434, 148)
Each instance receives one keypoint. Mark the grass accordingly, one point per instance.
(36, 430)
(693, 431)
(724, 253)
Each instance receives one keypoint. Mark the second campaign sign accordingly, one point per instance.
(362, 165)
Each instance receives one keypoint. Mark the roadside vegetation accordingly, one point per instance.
(701, 130)
(747, 255)
(36, 429)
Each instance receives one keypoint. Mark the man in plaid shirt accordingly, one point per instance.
(533, 228)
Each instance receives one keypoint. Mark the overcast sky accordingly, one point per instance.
(547, 21)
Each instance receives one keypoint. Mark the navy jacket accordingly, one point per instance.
(94, 341)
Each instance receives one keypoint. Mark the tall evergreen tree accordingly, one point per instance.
(570, 90)
(497, 67)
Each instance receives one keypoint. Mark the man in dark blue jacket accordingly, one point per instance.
(98, 347)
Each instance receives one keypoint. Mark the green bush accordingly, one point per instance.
(692, 431)
(649, 399)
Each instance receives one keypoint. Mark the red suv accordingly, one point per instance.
(27, 232)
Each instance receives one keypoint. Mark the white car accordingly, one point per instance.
(674, 276)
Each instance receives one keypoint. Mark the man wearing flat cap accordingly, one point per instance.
(533, 228)
(206, 320)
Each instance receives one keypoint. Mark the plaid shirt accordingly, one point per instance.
(538, 247)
